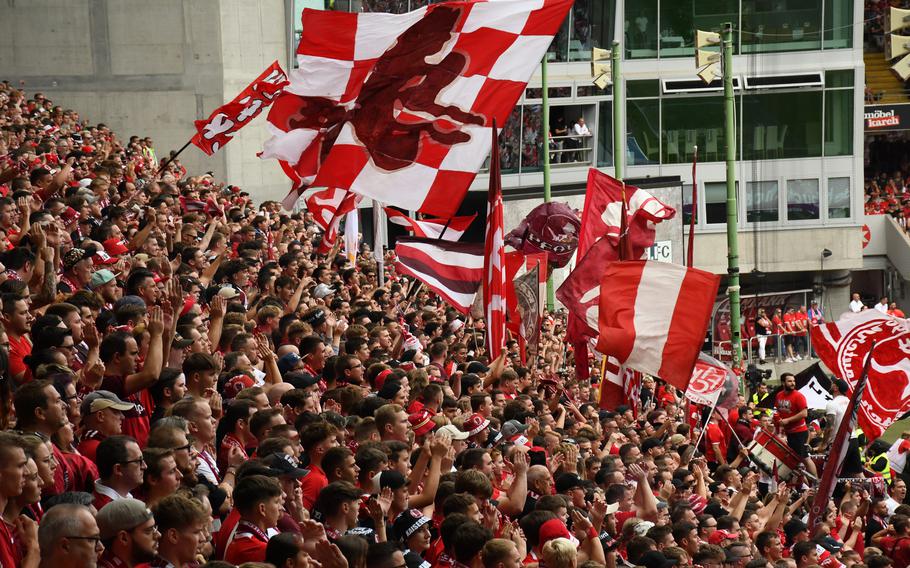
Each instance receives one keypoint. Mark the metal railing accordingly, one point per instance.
(571, 150)
(775, 348)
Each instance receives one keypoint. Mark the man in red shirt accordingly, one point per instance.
(102, 416)
(12, 480)
(17, 320)
(717, 441)
(895, 541)
(789, 329)
(316, 440)
(260, 502)
(792, 410)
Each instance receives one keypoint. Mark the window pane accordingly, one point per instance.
(643, 138)
(605, 135)
(838, 24)
(716, 202)
(641, 29)
(531, 125)
(510, 142)
(559, 47)
(643, 88)
(802, 199)
(839, 122)
(781, 25)
(839, 78)
(761, 201)
(592, 91)
(691, 121)
(839, 198)
(392, 6)
(592, 26)
(680, 18)
(568, 143)
(687, 204)
(782, 125)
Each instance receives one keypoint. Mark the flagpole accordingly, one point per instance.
(545, 123)
(379, 241)
(618, 145)
(173, 157)
(732, 227)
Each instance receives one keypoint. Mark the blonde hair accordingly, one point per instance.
(559, 553)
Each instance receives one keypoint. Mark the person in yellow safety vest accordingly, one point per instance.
(757, 398)
(878, 461)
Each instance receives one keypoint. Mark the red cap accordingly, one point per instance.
(475, 424)
(421, 422)
(381, 377)
(115, 247)
(554, 528)
(236, 384)
(720, 535)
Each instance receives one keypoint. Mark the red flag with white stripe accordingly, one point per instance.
(329, 207)
(494, 289)
(398, 105)
(654, 315)
(452, 270)
(431, 228)
(619, 385)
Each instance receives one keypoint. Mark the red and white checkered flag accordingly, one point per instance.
(396, 106)
(494, 270)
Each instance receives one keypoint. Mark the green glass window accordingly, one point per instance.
(559, 47)
(687, 204)
(643, 88)
(839, 78)
(838, 24)
(641, 29)
(680, 18)
(802, 199)
(716, 202)
(761, 201)
(782, 125)
(605, 135)
(643, 138)
(839, 198)
(839, 122)
(591, 26)
(691, 121)
(781, 25)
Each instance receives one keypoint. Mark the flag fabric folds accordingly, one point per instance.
(432, 228)
(654, 315)
(494, 269)
(527, 299)
(452, 270)
(218, 129)
(619, 385)
(329, 207)
(843, 347)
(396, 106)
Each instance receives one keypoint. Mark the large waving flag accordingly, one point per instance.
(329, 207)
(494, 269)
(218, 129)
(654, 315)
(452, 270)
(844, 345)
(432, 228)
(396, 106)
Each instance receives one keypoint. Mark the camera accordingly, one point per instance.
(756, 376)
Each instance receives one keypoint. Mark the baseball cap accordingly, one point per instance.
(101, 399)
(554, 528)
(180, 342)
(76, 255)
(654, 559)
(567, 481)
(121, 515)
(322, 290)
(421, 422)
(409, 522)
(721, 535)
(236, 384)
(493, 438)
(285, 465)
(115, 247)
(475, 424)
(453, 432)
(642, 528)
(477, 367)
(228, 292)
(513, 427)
(288, 361)
(101, 277)
(314, 317)
(300, 380)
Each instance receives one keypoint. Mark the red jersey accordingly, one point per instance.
(88, 446)
(136, 422)
(897, 549)
(18, 349)
(790, 404)
(248, 545)
(10, 553)
(715, 435)
(311, 485)
(777, 325)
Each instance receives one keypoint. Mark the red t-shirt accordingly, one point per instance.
(83, 472)
(789, 320)
(223, 536)
(790, 404)
(246, 546)
(10, 554)
(311, 485)
(136, 421)
(715, 436)
(18, 349)
(897, 549)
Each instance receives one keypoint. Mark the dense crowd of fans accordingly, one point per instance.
(185, 381)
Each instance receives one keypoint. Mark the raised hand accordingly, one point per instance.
(156, 321)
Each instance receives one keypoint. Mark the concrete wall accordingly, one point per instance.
(151, 69)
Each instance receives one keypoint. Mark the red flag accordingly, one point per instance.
(400, 104)
(654, 315)
(432, 228)
(838, 451)
(218, 129)
(619, 385)
(329, 207)
(494, 289)
(843, 347)
(452, 270)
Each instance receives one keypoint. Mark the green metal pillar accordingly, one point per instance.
(545, 111)
(732, 237)
(619, 145)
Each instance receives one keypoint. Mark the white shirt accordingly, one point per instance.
(581, 130)
(856, 306)
(837, 408)
(891, 504)
(883, 308)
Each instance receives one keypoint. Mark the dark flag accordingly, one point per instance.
(527, 292)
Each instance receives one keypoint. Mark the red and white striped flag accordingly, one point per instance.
(431, 228)
(329, 207)
(399, 104)
(452, 270)
(619, 385)
(494, 289)
(654, 315)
